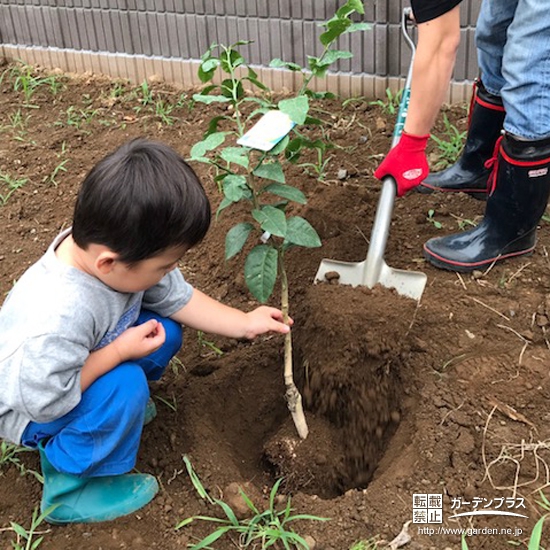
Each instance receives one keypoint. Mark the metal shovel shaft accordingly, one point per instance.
(374, 270)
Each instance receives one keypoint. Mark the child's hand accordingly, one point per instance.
(265, 319)
(139, 341)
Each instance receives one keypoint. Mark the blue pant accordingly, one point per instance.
(513, 44)
(101, 435)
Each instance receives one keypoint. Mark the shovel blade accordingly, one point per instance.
(406, 283)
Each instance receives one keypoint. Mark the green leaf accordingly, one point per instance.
(213, 125)
(292, 152)
(319, 95)
(208, 144)
(260, 271)
(354, 27)
(463, 543)
(236, 155)
(296, 108)
(207, 69)
(287, 192)
(335, 27)
(212, 537)
(356, 5)
(234, 187)
(230, 60)
(225, 202)
(235, 239)
(280, 147)
(270, 171)
(300, 232)
(280, 64)
(536, 534)
(253, 77)
(232, 88)
(210, 98)
(271, 219)
(334, 55)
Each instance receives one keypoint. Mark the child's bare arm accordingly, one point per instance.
(209, 315)
(133, 343)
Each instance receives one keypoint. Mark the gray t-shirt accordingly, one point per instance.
(52, 319)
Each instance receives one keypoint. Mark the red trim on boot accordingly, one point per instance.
(449, 263)
(527, 163)
(488, 105)
(492, 163)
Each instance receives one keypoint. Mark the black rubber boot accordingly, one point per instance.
(469, 174)
(518, 195)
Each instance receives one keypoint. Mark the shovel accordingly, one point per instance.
(374, 270)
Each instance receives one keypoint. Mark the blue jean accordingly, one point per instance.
(101, 435)
(513, 45)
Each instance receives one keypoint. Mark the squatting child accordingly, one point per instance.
(99, 315)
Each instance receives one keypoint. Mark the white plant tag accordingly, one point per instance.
(268, 131)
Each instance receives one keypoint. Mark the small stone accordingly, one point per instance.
(476, 274)
(541, 320)
(310, 541)
(380, 123)
(342, 174)
(395, 416)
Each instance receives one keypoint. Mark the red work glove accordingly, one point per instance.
(406, 162)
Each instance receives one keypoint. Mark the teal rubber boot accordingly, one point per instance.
(150, 412)
(92, 499)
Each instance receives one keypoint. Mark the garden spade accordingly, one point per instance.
(374, 270)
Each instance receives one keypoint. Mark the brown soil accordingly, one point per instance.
(449, 396)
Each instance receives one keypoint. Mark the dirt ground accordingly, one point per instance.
(450, 396)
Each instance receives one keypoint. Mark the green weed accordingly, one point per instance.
(369, 544)
(450, 146)
(432, 220)
(176, 364)
(26, 539)
(25, 81)
(390, 105)
(8, 186)
(9, 455)
(60, 167)
(203, 342)
(266, 529)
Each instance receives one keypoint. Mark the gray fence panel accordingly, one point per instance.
(183, 29)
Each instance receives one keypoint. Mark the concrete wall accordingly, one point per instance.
(138, 38)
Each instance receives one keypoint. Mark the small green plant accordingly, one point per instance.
(176, 364)
(78, 118)
(432, 220)
(9, 455)
(144, 96)
(369, 544)
(25, 81)
(26, 539)
(60, 167)
(8, 186)
(391, 105)
(257, 178)
(270, 528)
(450, 146)
(172, 405)
(203, 342)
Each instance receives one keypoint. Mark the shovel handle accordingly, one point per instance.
(382, 219)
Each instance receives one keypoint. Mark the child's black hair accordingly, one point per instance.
(140, 200)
